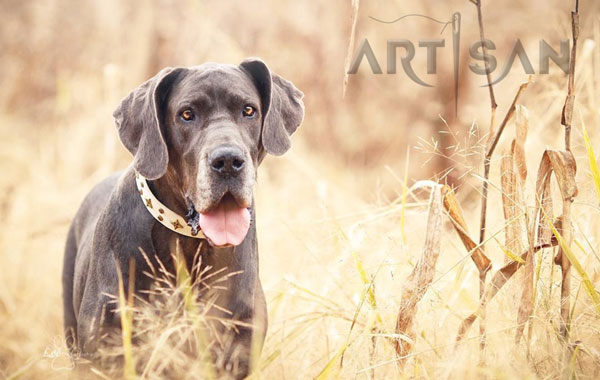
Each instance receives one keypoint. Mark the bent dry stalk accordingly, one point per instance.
(567, 116)
(491, 145)
(420, 278)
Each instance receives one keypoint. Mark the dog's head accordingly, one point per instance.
(205, 129)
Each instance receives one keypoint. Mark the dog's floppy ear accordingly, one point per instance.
(281, 106)
(139, 120)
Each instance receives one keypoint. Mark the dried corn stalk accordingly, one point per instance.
(458, 221)
(420, 278)
(491, 146)
(513, 176)
(481, 261)
(492, 142)
(499, 279)
(562, 164)
(567, 112)
(511, 205)
(522, 127)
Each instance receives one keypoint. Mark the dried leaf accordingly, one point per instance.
(491, 146)
(500, 278)
(567, 113)
(456, 217)
(564, 168)
(511, 204)
(479, 258)
(403, 198)
(591, 159)
(527, 297)
(522, 126)
(562, 165)
(421, 277)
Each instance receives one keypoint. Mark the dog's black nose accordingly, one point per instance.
(228, 161)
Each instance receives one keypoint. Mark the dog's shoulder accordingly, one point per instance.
(123, 223)
(93, 205)
(111, 223)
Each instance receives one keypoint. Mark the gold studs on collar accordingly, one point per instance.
(162, 213)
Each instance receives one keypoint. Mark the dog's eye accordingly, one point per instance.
(187, 115)
(249, 111)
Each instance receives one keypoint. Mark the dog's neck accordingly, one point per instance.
(166, 241)
(162, 189)
(187, 225)
(160, 197)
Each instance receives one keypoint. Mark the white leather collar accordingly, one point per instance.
(162, 213)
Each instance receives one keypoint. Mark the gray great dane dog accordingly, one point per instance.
(197, 136)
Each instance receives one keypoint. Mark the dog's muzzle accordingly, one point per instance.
(225, 219)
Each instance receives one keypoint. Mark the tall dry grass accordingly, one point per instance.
(342, 218)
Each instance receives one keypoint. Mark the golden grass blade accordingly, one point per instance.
(404, 195)
(296, 332)
(21, 371)
(585, 278)
(264, 363)
(153, 359)
(367, 294)
(98, 373)
(331, 370)
(573, 362)
(367, 282)
(184, 282)
(421, 277)
(267, 360)
(375, 319)
(592, 159)
(511, 256)
(316, 297)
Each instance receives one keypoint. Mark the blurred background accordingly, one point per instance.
(66, 65)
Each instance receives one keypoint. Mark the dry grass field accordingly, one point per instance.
(342, 217)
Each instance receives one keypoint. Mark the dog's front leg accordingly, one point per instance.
(98, 317)
(242, 326)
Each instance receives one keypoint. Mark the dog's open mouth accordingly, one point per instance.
(225, 224)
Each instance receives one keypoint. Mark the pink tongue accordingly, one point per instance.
(227, 224)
